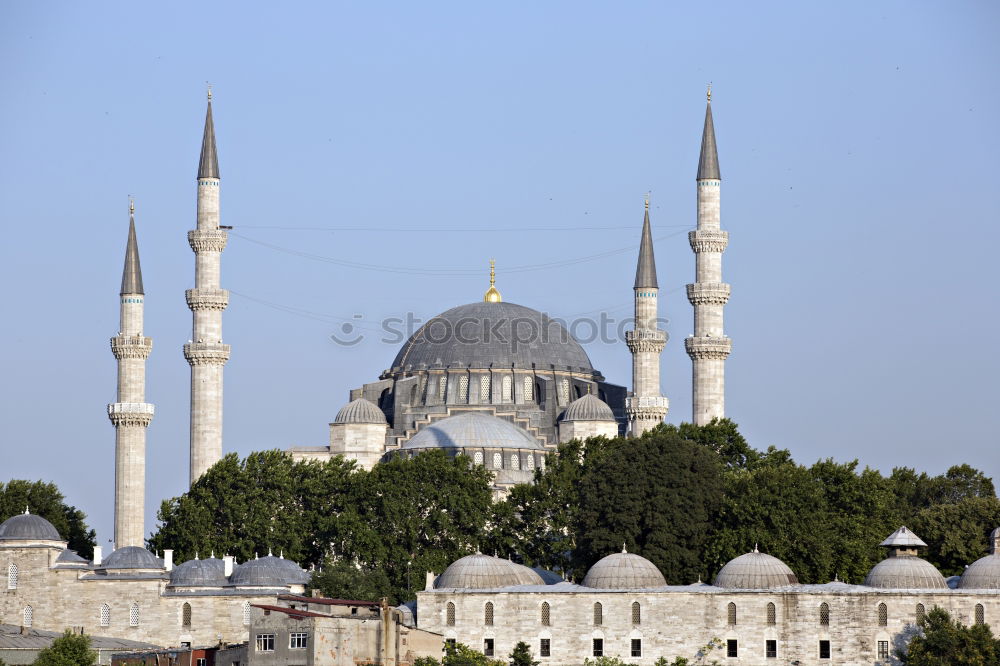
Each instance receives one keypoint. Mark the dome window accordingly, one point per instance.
(529, 462)
(488, 614)
(463, 388)
(527, 395)
(515, 463)
(598, 614)
(442, 386)
(105, 615)
(546, 617)
(770, 614)
(450, 614)
(484, 389)
(563, 391)
(636, 613)
(477, 458)
(731, 614)
(11, 576)
(824, 614)
(497, 461)
(883, 615)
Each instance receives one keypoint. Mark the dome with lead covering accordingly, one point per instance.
(485, 572)
(200, 573)
(623, 571)
(905, 572)
(983, 574)
(28, 526)
(550, 577)
(360, 411)
(755, 571)
(131, 557)
(588, 408)
(492, 335)
(472, 430)
(268, 571)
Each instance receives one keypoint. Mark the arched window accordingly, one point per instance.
(824, 614)
(529, 461)
(920, 612)
(883, 616)
(477, 457)
(546, 619)
(484, 388)
(598, 614)
(731, 614)
(105, 615)
(636, 613)
(28, 616)
(186, 615)
(497, 461)
(246, 613)
(463, 388)
(11, 576)
(488, 614)
(507, 388)
(442, 386)
(450, 614)
(980, 614)
(515, 463)
(770, 614)
(133, 615)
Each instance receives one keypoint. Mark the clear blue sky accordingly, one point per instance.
(858, 144)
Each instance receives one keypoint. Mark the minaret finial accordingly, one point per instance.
(131, 205)
(708, 94)
(209, 86)
(492, 294)
(647, 201)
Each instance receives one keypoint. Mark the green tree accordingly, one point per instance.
(68, 650)
(346, 580)
(947, 642)
(459, 654)
(956, 532)
(45, 500)
(521, 656)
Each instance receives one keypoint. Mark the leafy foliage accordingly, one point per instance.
(45, 500)
(521, 656)
(68, 650)
(947, 642)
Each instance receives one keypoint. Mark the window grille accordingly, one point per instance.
(636, 647)
(186, 615)
(463, 388)
(450, 615)
(598, 615)
(824, 614)
(980, 614)
(133, 615)
(507, 388)
(544, 647)
(563, 391)
(883, 649)
(477, 457)
(598, 647)
(105, 615)
(488, 614)
(265, 642)
(497, 461)
(28, 616)
(883, 615)
(771, 649)
(11, 576)
(529, 461)
(442, 386)
(546, 620)
(246, 613)
(484, 388)
(514, 461)
(636, 613)
(528, 393)
(770, 614)
(920, 612)
(731, 613)
(298, 640)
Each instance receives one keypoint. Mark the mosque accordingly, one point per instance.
(503, 384)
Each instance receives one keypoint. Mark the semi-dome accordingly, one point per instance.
(28, 526)
(588, 408)
(485, 572)
(623, 571)
(268, 571)
(983, 574)
(200, 573)
(131, 557)
(492, 335)
(755, 571)
(360, 411)
(905, 572)
(475, 430)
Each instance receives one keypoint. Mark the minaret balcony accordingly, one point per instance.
(708, 293)
(645, 402)
(206, 353)
(708, 240)
(645, 340)
(130, 413)
(131, 346)
(708, 347)
(207, 299)
(207, 240)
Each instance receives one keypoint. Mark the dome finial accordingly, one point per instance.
(26, 512)
(623, 547)
(755, 548)
(492, 294)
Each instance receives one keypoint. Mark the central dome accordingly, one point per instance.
(498, 335)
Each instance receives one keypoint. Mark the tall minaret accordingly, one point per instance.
(205, 352)
(709, 346)
(131, 414)
(645, 407)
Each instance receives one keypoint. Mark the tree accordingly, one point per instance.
(947, 642)
(956, 533)
(521, 656)
(45, 500)
(346, 580)
(68, 650)
(459, 654)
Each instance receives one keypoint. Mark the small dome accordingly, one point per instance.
(200, 573)
(983, 574)
(360, 411)
(755, 571)
(905, 572)
(131, 557)
(28, 526)
(484, 572)
(549, 577)
(588, 408)
(623, 571)
(472, 430)
(269, 571)
(68, 556)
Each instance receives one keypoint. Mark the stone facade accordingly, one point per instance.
(583, 429)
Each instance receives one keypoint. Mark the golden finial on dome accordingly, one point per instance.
(492, 294)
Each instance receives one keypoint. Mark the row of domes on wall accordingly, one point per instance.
(750, 571)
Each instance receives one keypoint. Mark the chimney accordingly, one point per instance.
(97, 555)
(227, 565)
(429, 580)
(168, 559)
(316, 593)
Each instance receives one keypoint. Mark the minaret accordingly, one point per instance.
(709, 346)
(131, 414)
(645, 407)
(205, 352)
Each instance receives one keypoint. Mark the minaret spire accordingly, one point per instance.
(131, 414)
(645, 407)
(708, 347)
(206, 352)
